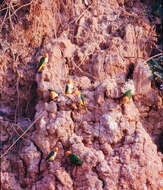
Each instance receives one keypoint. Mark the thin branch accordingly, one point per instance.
(7, 7)
(19, 128)
(134, 57)
(78, 18)
(4, 19)
(83, 71)
(157, 47)
(152, 57)
(147, 59)
(20, 8)
(83, 60)
(28, 128)
(12, 7)
(17, 105)
(10, 16)
(15, 130)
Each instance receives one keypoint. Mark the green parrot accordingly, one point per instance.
(69, 87)
(52, 155)
(126, 97)
(52, 94)
(128, 94)
(74, 159)
(43, 62)
(66, 89)
(80, 98)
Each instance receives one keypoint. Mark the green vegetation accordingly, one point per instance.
(156, 10)
(156, 66)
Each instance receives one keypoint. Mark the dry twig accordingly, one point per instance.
(9, 11)
(83, 71)
(20, 8)
(128, 57)
(17, 105)
(4, 19)
(152, 58)
(7, 7)
(78, 18)
(28, 128)
(15, 130)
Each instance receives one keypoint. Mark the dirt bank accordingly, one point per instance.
(102, 46)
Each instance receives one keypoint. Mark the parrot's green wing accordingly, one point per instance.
(55, 91)
(128, 93)
(49, 156)
(42, 60)
(66, 88)
(74, 159)
(82, 98)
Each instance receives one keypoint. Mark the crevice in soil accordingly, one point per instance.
(130, 71)
(24, 166)
(41, 157)
(160, 142)
(100, 178)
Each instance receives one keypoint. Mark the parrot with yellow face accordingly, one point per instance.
(43, 62)
(69, 87)
(52, 94)
(80, 98)
(74, 159)
(52, 155)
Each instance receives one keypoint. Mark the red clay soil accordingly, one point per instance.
(102, 46)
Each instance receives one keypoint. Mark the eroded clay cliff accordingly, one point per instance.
(99, 45)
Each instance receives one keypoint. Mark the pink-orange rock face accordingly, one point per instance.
(94, 48)
(48, 182)
(64, 178)
(8, 181)
(31, 157)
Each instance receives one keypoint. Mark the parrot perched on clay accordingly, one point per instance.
(126, 97)
(43, 62)
(80, 98)
(74, 159)
(69, 87)
(52, 155)
(52, 94)
(128, 90)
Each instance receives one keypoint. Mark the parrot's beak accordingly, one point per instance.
(56, 149)
(68, 153)
(46, 55)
